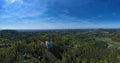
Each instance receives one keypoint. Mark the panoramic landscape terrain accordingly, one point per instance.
(59, 31)
(60, 46)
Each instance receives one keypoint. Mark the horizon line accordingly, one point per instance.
(60, 29)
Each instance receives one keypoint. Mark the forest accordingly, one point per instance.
(60, 46)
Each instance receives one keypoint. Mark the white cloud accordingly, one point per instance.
(13, 1)
(10, 1)
(24, 8)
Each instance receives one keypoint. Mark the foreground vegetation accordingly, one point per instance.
(73, 46)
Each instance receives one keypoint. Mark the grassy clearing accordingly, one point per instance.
(110, 42)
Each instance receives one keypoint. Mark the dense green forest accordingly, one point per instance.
(60, 46)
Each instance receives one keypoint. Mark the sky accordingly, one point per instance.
(59, 14)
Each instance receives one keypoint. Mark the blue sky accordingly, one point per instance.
(59, 14)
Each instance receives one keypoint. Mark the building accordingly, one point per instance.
(49, 44)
